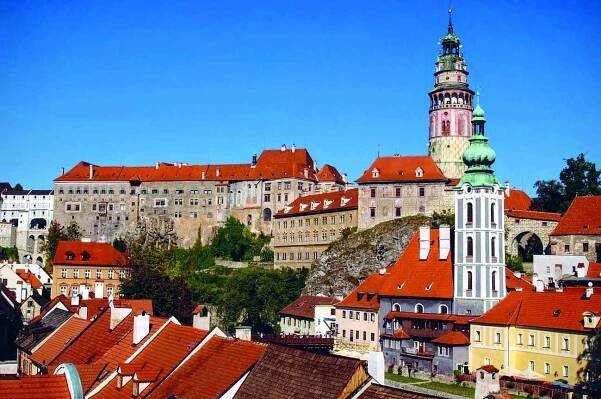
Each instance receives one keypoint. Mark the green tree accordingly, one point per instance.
(579, 177)
(514, 263)
(590, 372)
(235, 242)
(120, 245)
(9, 253)
(444, 217)
(170, 296)
(18, 186)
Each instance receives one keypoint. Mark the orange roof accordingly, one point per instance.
(30, 278)
(59, 340)
(398, 334)
(163, 353)
(548, 309)
(582, 217)
(402, 169)
(272, 164)
(88, 253)
(35, 387)
(517, 199)
(594, 270)
(212, 370)
(415, 278)
(304, 306)
(534, 215)
(334, 201)
(328, 173)
(513, 282)
(365, 296)
(96, 305)
(452, 338)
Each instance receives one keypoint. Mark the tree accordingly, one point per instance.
(56, 233)
(170, 296)
(579, 177)
(590, 372)
(514, 263)
(234, 241)
(120, 245)
(444, 217)
(8, 253)
(18, 186)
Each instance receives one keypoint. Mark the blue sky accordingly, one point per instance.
(134, 82)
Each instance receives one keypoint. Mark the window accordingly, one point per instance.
(478, 337)
(364, 335)
(492, 213)
(444, 309)
(519, 339)
(419, 308)
(344, 314)
(63, 273)
(422, 191)
(343, 333)
(397, 211)
(98, 273)
(372, 192)
(443, 351)
(350, 315)
(63, 289)
(357, 334)
(470, 282)
(497, 338)
(122, 274)
(493, 247)
(470, 213)
(373, 317)
(372, 212)
(372, 337)
(531, 365)
(470, 247)
(357, 315)
(110, 274)
(364, 316)
(396, 307)
(160, 202)
(585, 247)
(566, 248)
(397, 191)
(109, 290)
(547, 368)
(87, 273)
(75, 273)
(493, 281)
(547, 342)
(566, 371)
(565, 345)
(531, 340)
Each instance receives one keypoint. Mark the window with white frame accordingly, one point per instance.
(531, 365)
(531, 340)
(87, 273)
(497, 338)
(443, 351)
(566, 371)
(565, 344)
(63, 273)
(98, 273)
(110, 273)
(547, 368)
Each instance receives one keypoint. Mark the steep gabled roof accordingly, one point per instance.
(452, 338)
(551, 310)
(365, 296)
(517, 200)
(59, 340)
(583, 217)
(304, 306)
(328, 173)
(29, 278)
(285, 372)
(35, 387)
(402, 169)
(415, 278)
(211, 371)
(88, 253)
(513, 282)
(334, 201)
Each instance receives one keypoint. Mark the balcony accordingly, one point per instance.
(417, 353)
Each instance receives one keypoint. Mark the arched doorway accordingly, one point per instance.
(38, 223)
(527, 244)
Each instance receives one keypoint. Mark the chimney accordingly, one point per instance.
(243, 333)
(517, 274)
(75, 300)
(202, 176)
(382, 271)
(141, 327)
(293, 149)
(91, 172)
(424, 242)
(344, 178)
(254, 160)
(589, 290)
(375, 366)
(444, 233)
(85, 292)
(283, 147)
(306, 173)
(63, 171)
(156, 165)
(539, 285)
(217, 172)
(111, 301)
(507, 188)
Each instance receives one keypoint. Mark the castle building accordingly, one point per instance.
(181, 202)
(479, 266)
(305, 228)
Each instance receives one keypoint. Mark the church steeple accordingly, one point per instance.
(450, 106)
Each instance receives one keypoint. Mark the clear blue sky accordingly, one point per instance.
(134, 82)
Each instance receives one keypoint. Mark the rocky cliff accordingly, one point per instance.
(350, 260)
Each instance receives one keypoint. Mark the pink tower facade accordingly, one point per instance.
(451, 105)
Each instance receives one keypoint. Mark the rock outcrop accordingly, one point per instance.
(350, 260)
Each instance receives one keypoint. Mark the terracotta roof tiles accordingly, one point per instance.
(517, 199)
(30, 278)
(35, 387)
(583, 217)
(534, 215)
(88, 253)
(452, 338)
(304, 306)
(365, 296)
(328, 173)
(59, 340)
(402, 169)
(334, 201)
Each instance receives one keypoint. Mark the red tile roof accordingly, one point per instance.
(272, 164)
(304, 306)
(212, 370)
(59, 340)
(452, 338)
(489, 368)
(96, 305)
(35, 387)
(402, 169)
(583, 217)
(512, 282)
(284, 372)
(365, 296)
(548, 309)
(594, 270)
(415, 278)
(162, 353)
(328, 173)
(517, 199)
(88, 253)
(334, 201)
(30, 278)
(534, 215)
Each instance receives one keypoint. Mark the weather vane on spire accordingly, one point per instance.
(478, 96)
(450, 17)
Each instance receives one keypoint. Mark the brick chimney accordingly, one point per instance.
(444, 235)
(141, 327)
(424, 242)
(243, 333)
(91, 172)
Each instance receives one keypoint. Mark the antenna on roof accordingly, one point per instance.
(378, 150)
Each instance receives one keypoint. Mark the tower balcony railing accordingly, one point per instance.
(449, 105)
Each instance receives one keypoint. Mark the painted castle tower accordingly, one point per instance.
(479, 268)
(450, 107)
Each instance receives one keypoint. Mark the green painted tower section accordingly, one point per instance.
(479, 156)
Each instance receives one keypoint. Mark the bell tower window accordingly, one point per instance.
(470, 213)
(470, 247)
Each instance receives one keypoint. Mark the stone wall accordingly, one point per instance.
(585, 245)
(518, 232)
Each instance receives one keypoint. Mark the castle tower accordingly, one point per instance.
(479, 267)
(450, 107)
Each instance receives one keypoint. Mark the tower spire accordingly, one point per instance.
(450, 28)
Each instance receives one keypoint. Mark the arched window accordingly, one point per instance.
(470, 246)
(444, 309)
(70, 255)
(493, 208)
(494, 280)
(419, 308)
(470, 282)
(493, 247)
(266, 215)
(396, 307)
(470, 212)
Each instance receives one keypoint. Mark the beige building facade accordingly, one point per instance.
(304, 229)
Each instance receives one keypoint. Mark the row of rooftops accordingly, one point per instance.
(7, 189)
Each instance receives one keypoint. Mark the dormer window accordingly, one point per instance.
(85, 255)
(314, 204)
(70, 255)
(375, 172)
(344, 201)
(419, 172)
(326, 203)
